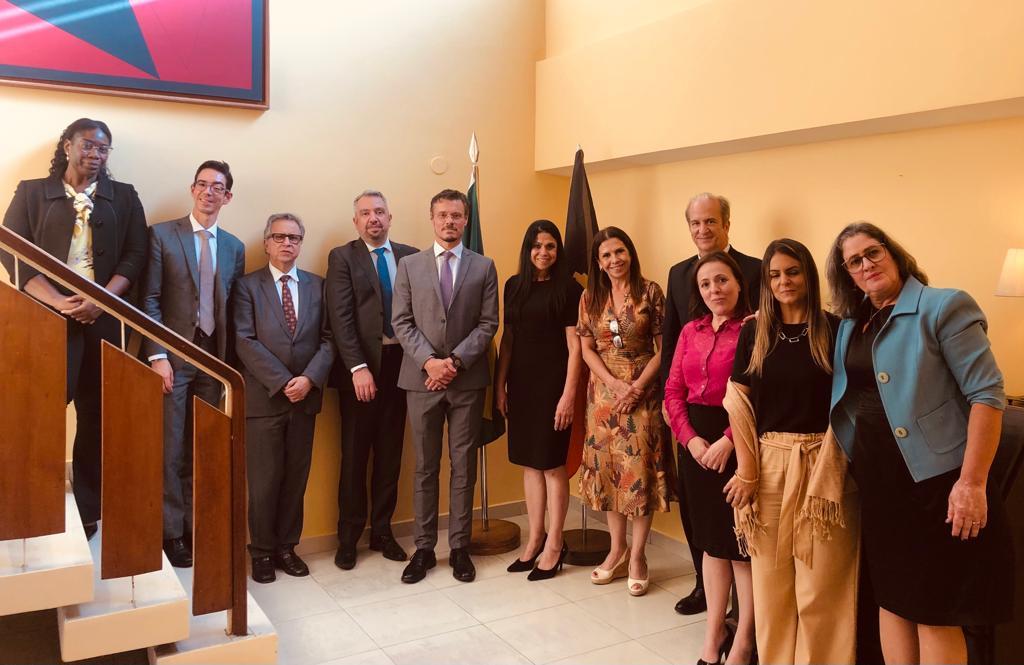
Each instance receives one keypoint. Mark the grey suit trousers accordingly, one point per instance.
(428, 412)
(278, 453)
(188, 381)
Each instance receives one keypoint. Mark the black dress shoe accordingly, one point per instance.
(388, 546)
(345, 557)
(422, 561)
(90, 530)
(290, 563)
(695, 603)
(462, 566)
(263, 569)
(178, 553)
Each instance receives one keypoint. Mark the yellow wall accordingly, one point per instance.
(362, 95)
(732, 75)
(676, 102)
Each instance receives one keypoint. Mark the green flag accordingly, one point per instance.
(493, 425)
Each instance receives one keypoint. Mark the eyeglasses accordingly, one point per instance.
(215, 187)
(454, 216)
(279, 238)
(875, 253)
(89, 146)
(613, 325)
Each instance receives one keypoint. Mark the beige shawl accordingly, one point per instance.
(822, 504)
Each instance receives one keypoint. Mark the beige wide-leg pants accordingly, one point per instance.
(805, 592)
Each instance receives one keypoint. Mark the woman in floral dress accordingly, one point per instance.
(626, 471)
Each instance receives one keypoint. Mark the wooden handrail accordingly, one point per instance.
(58, 271)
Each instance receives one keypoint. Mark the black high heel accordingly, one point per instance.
(723, 651)
(547, 574)
(520, 566)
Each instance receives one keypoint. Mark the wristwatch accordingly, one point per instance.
(457, 361)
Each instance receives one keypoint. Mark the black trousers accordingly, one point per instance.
(278, 453)
(84, 389)
(697, 554)
(377, 426)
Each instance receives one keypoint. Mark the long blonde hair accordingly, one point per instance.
(769, 318)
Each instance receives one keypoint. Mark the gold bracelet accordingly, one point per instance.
(740, 478)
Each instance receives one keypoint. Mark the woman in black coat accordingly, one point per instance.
(82, 216)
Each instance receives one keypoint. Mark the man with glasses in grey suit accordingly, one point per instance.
(193, 265)
(445, 314)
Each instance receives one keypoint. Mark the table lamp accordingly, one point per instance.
(1011, 284)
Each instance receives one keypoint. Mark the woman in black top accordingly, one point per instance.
(79, 214)
(804, 588)
(538, 370)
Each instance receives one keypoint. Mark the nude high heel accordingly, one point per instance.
(621, 569)
(641, 585)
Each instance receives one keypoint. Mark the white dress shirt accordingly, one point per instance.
(454, 262)
(293, 285)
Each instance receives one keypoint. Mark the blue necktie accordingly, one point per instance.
(385, 290)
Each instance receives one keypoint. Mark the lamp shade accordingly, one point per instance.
(1011, 279)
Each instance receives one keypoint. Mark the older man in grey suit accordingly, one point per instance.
(193, 265)
(445, 313)
(286, 353)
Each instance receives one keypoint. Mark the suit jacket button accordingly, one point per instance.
(883, 377)
(900, 432)
(442, 320)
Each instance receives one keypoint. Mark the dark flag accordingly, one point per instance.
(580, 221)
(580, 229)
(493, 425)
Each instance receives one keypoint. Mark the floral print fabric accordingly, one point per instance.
(625, 466)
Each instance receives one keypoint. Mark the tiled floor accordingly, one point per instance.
(367, 615)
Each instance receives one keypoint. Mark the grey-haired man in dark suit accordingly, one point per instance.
(360, 286)
(285, 351)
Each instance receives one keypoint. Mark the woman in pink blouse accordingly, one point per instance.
(693, 401)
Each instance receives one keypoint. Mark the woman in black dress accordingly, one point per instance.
(538, 370)
(80, 214)
(917, 402)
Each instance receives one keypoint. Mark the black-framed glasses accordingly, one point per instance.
(279, 238)
(91, 146)
(613, 325)
(875, 253)
(215, 187)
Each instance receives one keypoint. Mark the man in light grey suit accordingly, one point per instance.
(193, 265)
(285, 350)
(445, 313)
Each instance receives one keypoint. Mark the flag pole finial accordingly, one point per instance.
(474, 150)
(578, 147)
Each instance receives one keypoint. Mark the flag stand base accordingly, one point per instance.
(498, 537)
(587, 547)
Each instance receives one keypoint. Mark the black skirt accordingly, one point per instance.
(711, 518)
(918, 570)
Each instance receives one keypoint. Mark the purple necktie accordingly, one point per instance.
(446, 280)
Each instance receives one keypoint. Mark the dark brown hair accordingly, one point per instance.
(698, 307)
(599, 287)
(846, 297)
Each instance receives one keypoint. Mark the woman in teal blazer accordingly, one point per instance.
(917, 402)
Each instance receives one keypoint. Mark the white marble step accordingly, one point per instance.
(120, 618)
(208, 641)
(47, 571)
